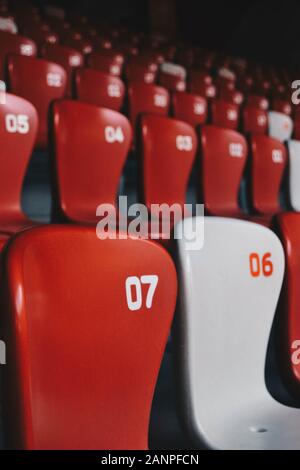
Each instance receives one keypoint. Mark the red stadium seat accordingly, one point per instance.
(150, 99)
(14, 44)
(282, 106)
(66, 57)
(223, 158)
(40, 82)
(172, 77)
(225, 114)
(108, 61)
(18, 130)
(255, 120)
(87, 322)
(199, 80)
(137, 72)
(90, 148)
(99, 88)
(232, 96)
(168, 152)
(171, 82)
(268, 162)
(189, 108)
(258, 101)
(289, 231)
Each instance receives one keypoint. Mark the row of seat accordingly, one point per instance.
(86, 322)
(90, 146)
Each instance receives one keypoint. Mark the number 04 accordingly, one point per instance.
(134, 284)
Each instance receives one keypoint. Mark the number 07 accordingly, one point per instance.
(133, 283)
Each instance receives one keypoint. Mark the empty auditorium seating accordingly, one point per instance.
(225, 114)
(294, 173)
(143, 71)
(150, 99)
(255, 120)
(90, 148)
(18, 130)
(108, 61)
(223, 339)
(86, 321)
(99, 88)
(14, 44)
(268, 163)
(168, 152)
(40, 82)
(280, 126)
(189, 107)
(65, 56)
(223, 157)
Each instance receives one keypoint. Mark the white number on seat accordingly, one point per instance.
(17, 123)
(277, 156)
(160, 101)
(134, 284)
(54, 80)
(113, 90)
(184, 143)
(113, 134)
(235, 150)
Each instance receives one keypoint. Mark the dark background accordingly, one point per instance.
(267, 31)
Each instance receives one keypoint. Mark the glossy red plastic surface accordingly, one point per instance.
(14, 44)
(40, 82)
(268, 162)
(172, 82)
(168, 153)
(189, 108)
(223, 159)
(99, 88)
(108, 61)
(289, 231)
(65, 56)
(225, 114)
(82, 364)
(90, 145)
(18, 130)
(147, 99)
(255, 120)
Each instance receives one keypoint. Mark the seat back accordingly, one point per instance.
(294, 173)
(168, 153)
(268, 163)
(147, 99)
(90, 148)
(40, 82)
(255, 120)
(87, 321)
(259, 101)
(99, 88)
(225, 114)
(227, 299)
(14, 44)
(289, 231)
(18, 130)
(65, 56)
(107, 61)
(189, 108)
(223, 157)
(282, 106)
(280, 126)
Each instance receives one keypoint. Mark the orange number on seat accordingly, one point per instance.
(264, 267)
